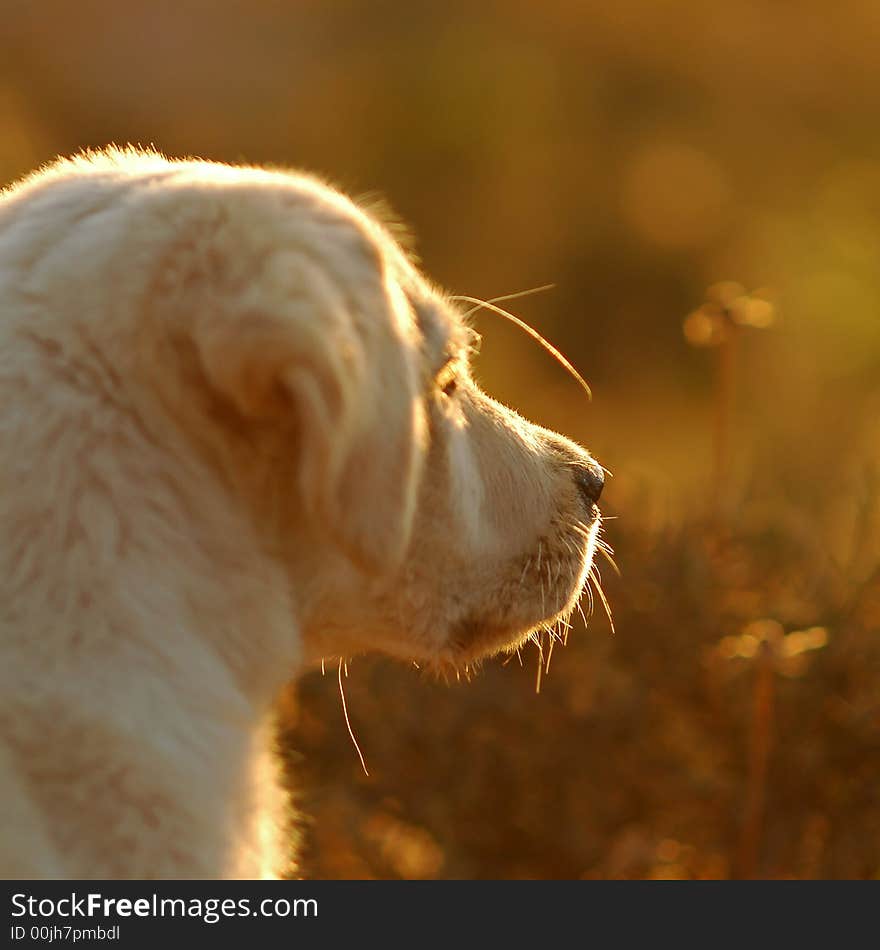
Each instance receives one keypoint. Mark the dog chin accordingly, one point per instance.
(477, 638)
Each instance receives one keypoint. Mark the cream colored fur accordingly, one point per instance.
(226, 453)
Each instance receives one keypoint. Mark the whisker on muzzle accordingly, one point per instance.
(582, 530)
(549, 654)
(540, 662)
(606, 553)
(597, 583)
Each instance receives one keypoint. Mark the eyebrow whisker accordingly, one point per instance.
(514, 296)
(532, 332)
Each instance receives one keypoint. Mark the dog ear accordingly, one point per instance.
(336, 361)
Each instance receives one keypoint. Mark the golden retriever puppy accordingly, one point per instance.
(237, 434)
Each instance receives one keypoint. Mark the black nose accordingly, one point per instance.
(589, 479)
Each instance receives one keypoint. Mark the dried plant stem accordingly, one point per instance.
(761, 743)
(725, 388)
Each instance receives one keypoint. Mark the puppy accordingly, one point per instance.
(238, 433)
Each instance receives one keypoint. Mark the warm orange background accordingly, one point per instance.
(635, 154)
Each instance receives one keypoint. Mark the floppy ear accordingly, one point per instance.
(336, 362)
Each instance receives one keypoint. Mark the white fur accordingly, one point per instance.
(224, 456)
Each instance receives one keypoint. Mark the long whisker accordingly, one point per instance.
(532, 332)
(535, 637)
(503, 297)
(598, 585)
(540, 578)
(606, 554)
(549, 654)
(602, 546)
(348, 721)
(589, 593)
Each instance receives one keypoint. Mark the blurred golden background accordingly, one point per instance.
(641, 157)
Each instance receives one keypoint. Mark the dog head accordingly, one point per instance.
(416, 514)
(328, 382)
(428, 520)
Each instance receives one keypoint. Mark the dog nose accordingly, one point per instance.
(589, 478)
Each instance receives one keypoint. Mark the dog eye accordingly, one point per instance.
(446, 379)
